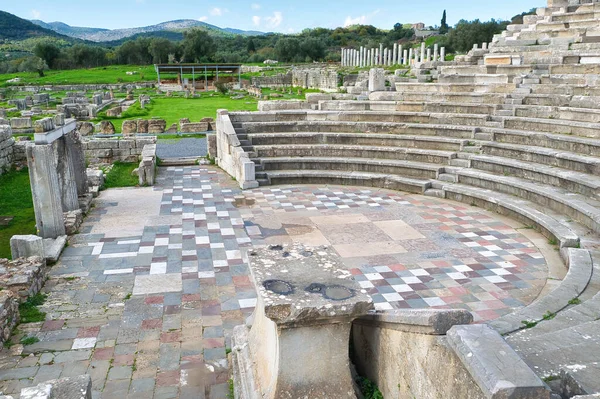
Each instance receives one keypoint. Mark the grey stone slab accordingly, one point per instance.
(496, 368)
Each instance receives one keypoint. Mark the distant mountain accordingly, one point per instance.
(15, 28)
(113, 35)
(68, 30)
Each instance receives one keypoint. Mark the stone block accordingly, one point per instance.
(26, 246)
(303, 297)
(142, 126)
(156, 126)
(23, 277)
(107, 127)
(44, 125)
(65, 388)
(172, 129)
(494, 365)
(212, 145)
(194, 127)
(85, 128)
(114, 112)
(376, 79)
(21, 123)
(59, 119)
(129, 128)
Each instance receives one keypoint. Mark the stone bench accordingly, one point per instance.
(357, 151)
(467, 99)
(572, 181)
(298, 345)
(584, 210)
(349, 165)
(474, 78)
(473, 88)
(518, 209)
(425, 103)
(558, 142)
(387, 181)
(362, 139)
(581, 129)
(589, 115)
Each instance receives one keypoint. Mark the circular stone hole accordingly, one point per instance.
(279, 287)
(338, 293)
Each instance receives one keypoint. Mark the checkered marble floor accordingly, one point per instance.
(149, 314)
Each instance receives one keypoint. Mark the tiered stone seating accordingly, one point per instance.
(522, 140)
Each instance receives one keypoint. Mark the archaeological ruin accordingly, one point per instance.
(402, 222)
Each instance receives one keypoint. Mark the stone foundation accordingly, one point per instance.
(108, 151)
(23, 277)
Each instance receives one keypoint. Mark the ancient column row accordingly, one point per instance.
(365, 57)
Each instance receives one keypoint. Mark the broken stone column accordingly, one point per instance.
(395, 54)
(26, 246)
(380, 54)
(400, 60)
(376, 79)
(443, 54)
(77, 158)
(298, 344)
(373, 59)
(422, 52)
(436, 52)
(45, 190)
(405, 57)
(376, 57)
(66, 175)
(428, 55)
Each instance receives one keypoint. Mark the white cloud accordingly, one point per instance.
(36, 14)
(256, 20)
(275, 20)
(360, 20)
(255, 6)
(203, 18)
(217, 12)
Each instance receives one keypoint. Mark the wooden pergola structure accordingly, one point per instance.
(199, 70)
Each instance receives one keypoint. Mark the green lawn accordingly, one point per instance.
(103, 75)
(121, 176)
(16, 201)
(174, 108)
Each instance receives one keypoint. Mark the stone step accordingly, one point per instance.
(424, 103)
(447, 177)
(465, 99)
(178, 161)
(519, 209)
(355, 151)
(563, 89)
(363, 139)
(387, 181)
(570, 354)
(434, 193)
(459, 162)
(474, 78)
(559, 142)
(347, 164)
(454, 87)
(583, 209)
(588, 115)
(546, 156)
(582, 129)
(263, 182)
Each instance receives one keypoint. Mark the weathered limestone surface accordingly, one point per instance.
(23, 277)
(156, 126)
(304, 295)
(26, 246)
(65, 388)
(7, 143)
(376, 79)
(147, 168)
(9, 314)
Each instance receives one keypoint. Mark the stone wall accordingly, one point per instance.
(231, 157)
(316, 78)
(121, 86)
(273, 81)
(6, 148)
(436, 354)
(108, 151)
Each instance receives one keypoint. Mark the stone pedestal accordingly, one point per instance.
(298, 344)
(46, 191)
(376, 79)
(26, 246)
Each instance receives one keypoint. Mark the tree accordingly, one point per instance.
(251, 47)
(48, 52)
(288, 50)
(160, 49)
(197, 46)
(444, 25)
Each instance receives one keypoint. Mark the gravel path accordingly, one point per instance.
(182, 148)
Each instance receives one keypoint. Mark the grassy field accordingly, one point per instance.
(15, 201)
(120, 175)
(103, 75)
(172, 108)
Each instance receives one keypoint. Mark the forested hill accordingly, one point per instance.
(15, 28)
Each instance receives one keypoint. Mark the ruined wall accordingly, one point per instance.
(6, 148)
(108, 151)
(316, 78)
(122, 86)
(273, 81)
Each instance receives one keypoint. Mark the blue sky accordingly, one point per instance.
(286, 16)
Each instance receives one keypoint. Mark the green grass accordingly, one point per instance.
(120, 176)
(369, 389)
(16, 201)
(103, 75)
(172, 109)
(29, 340)
(575, 301)
(29, 309)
